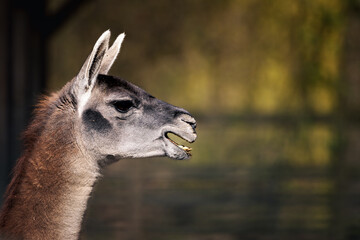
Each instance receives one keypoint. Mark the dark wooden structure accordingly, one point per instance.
(25, 29)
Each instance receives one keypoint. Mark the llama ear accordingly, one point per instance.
(111, 54)
(86, 78)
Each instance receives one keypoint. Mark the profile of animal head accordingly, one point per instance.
(117, 119)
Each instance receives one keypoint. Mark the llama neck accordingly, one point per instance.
(50, 188)
(47, 202)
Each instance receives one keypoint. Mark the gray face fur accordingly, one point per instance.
(117, 119)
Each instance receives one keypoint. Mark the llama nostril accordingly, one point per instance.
(191, 122)
(186, 117)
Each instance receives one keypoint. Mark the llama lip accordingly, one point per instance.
(186, 149)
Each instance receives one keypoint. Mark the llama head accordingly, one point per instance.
(116, 119)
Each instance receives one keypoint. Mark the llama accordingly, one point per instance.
(94, 120)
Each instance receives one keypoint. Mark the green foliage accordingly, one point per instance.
(223, 56)
(280, 173)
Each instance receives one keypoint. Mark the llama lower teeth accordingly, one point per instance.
(186, 149)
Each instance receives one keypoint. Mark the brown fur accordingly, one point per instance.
(53, 178)
(94, 120)
(34, 206)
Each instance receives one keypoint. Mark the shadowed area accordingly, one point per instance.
(94, 120)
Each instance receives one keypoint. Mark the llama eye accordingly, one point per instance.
(123, 106)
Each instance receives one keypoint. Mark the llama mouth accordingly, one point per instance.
(186, 149)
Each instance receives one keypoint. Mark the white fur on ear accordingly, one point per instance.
(111, 54)
(87, 76)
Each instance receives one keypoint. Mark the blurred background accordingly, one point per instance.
(274, 85)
